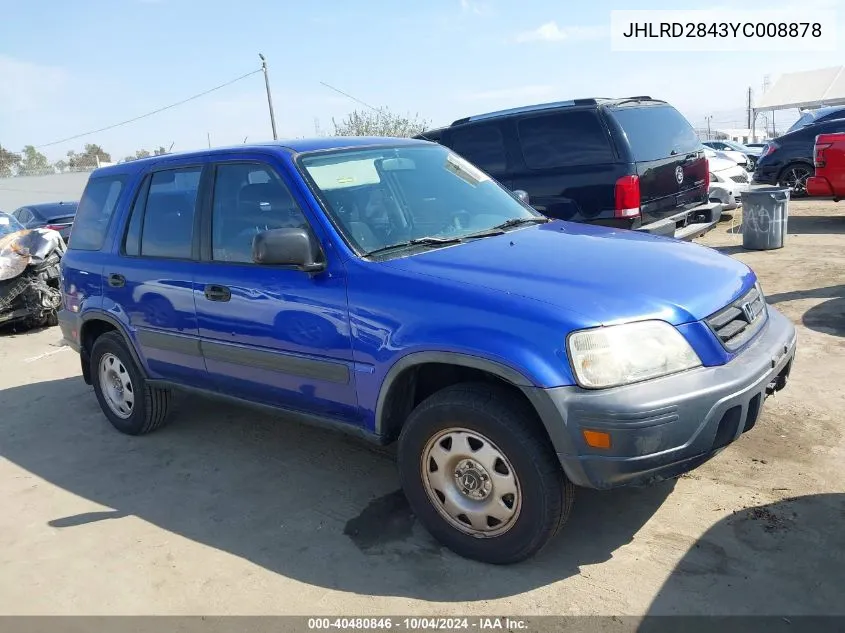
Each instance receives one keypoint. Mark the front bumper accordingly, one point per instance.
(688, 224)
(662, 428)
(70, 324)
(728, 193)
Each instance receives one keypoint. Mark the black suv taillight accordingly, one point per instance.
(627, 196)
(771, 148)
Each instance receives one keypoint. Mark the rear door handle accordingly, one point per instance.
(213, 292)
(117, 281)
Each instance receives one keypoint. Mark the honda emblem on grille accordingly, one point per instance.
(748, 311)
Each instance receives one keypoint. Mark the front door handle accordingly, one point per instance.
(213, 292)
(117, 281)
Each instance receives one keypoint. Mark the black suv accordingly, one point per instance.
(788, 159)
(632, 163)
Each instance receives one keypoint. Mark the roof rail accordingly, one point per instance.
(532, 108)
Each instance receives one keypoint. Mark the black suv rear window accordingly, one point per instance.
(95, 211)
(564, 138)
(656, 132)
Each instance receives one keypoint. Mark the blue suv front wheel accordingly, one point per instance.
(481, 475)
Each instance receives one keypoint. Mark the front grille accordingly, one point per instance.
(737, 322)
(740, 178)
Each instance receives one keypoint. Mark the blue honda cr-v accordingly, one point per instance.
(391, 288)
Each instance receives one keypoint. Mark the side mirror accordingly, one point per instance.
(287, 247)
(521, 195)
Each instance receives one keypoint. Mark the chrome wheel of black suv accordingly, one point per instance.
(795, 177)
(480, 474)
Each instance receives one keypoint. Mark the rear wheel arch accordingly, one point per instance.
(94, 325)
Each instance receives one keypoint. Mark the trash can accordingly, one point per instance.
(765, 211)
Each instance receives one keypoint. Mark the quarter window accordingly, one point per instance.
(482, 145)
(95, 211)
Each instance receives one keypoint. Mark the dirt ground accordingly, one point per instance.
(229, 512)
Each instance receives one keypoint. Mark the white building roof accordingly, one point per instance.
(812, 88)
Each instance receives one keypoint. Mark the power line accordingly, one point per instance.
(143, 116)
(346, 94)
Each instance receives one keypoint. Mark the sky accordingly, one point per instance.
(69, 67)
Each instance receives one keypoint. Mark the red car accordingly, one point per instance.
(829, 157)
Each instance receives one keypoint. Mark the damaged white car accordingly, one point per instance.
(29, 274)
(727, 180)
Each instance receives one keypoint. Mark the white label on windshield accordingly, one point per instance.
(466, 170)
(4, 220)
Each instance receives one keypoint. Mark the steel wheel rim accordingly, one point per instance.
(471, 482)
(796, 180)
(116, 386)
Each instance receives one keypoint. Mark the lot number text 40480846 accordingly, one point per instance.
(418, 624)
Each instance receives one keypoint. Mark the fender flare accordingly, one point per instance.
(95, 314)
(504, 372)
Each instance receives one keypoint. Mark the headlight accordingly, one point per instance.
(622, 354)
(14, 257)
(715, 178)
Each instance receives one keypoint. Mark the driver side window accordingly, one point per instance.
(248, 199)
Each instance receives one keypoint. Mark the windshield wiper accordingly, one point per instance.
(419, 241)
(521, 221)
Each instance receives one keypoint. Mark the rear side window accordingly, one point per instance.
(656, 132)
(562, 139)
(162, 221)
(482, 145)
(95, 211)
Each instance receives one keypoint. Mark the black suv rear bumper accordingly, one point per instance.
(688, 224)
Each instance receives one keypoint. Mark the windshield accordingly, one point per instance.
(8, 224)
(736, 146)
(384, 197)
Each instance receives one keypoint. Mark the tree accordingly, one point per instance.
(9, 161)
(141, 153)
(60, 165)
(34, 162)
(379, 123)
(88, 159)
(160, 151)
(98, 152)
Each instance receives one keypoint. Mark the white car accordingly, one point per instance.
(736, 156)
(727, 180)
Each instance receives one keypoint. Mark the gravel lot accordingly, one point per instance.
(230, 512)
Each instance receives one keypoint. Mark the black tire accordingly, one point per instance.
(151, 403)
(507, 421)
(787, 175)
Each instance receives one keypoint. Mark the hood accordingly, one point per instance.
(717, 163)
(28, 246)
(604, 275)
